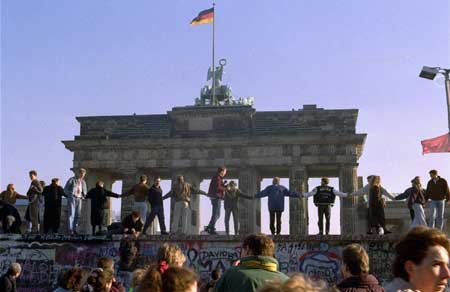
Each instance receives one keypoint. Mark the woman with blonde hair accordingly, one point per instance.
(375, 192)
(297, 283)
(162, 278)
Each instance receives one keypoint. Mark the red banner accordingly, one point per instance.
(436, 145)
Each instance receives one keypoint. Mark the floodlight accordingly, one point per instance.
(429, 72)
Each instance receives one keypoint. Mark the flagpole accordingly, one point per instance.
(213, 101)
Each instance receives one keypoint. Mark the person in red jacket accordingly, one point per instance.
(216, 191)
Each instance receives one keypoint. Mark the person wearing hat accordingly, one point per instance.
(231, 200)
(415, 196)
(324, 197)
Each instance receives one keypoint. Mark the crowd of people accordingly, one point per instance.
(148, 204)
(420, 264)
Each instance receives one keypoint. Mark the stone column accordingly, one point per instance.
(129, 179)
(298, 208)
(249, 210)
(348, 182)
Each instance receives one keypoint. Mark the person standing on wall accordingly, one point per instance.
(34, 192)
(415, 196)
(217, 192)
(75, 190)
(181, 192)
(52, 194)
(324, 197)
(375, 192)
(231, 203)
(276, 194)
(99, 202)
(140, 191)
(438, 192)
(155, 199)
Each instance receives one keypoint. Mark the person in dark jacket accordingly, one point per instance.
(132, 224)
(276, 194)
(34, 192)
(416, 200)
(99, 202)
(324, 197)
(52, 194)
(10, 195)
(155, 199)
(438, 192)
(8, 280)
(231, 200)
(10, 218)
(217, 192)
(355, 271)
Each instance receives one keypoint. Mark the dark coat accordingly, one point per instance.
(376, 208)
(232, 197)
(7, 284)
(438, 190)
(52, 194)
(99, 202)
(276, 194)
(10, 210)
(155, 197)
(216, 187)
(367, 283)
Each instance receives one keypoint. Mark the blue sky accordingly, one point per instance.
(62, 59)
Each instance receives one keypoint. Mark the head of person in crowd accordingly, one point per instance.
(143, 179)
(296, 283)
(276, 180)
(222, 171)
(99, 184)
(422, 258)
(433, 174)
(81, 173)
(105, 263)
(324, 181)
(180, 179)
(258, 245)
(369, 178)
(162, 278)
(71, 279)
(215, 274)
(355, 261)
(157, 181)
(136, 278)
(375, 180)
(43, 184)
(14, 270)
(32, 174)
(55, 181)
(101, 280)
(171, 254)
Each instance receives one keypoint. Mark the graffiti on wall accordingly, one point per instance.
(42, 262)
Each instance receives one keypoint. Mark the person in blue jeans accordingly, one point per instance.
(276, 194)
(438, 192)
(156, 206)
(217, 192)
(75, 191)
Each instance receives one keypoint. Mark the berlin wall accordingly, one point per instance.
(43, 258)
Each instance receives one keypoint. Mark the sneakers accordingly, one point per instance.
(164, 233)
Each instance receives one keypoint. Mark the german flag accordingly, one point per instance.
(205, 16)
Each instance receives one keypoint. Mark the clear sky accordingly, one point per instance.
(61, 59)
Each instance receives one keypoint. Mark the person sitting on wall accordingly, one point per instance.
(374, 190)
(324, 197)
(10, 195)
(10, 218)
(276, 194)
(99, 202)
(231, 200)
(132, 224)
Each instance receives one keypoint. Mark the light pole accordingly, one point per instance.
(430, 73)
